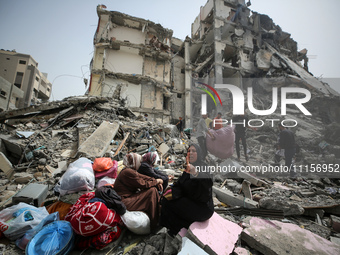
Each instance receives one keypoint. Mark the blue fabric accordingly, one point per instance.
(55, 238)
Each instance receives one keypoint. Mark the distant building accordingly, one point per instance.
(9, 95)
(21, 71)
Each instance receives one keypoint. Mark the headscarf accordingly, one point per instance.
(200, 160)
(132, 160)
(150, 158)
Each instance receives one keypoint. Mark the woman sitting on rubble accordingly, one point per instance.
(138, 192)
(190, 198)
(146, 168)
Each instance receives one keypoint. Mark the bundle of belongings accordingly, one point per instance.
(36, 231)
(95, 217)
(81, 217)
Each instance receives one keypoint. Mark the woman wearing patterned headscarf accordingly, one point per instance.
(146, 168)
(132, 160)
(138, 192)
(191, 196)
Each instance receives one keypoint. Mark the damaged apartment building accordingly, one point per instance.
(230, 43)
(148, 70)
(135, 63)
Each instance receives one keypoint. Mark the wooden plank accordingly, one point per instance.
(121, 144)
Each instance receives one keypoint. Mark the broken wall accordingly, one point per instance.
(98, 58)
(126, 60)
(152, 97)
(127, 34)
(157, 69)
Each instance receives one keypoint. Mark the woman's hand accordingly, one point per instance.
(190, 169)
(159, 184)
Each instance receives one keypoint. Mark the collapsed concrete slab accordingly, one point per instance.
(252, 179)
(275, 237)
(286, 207)
(216, 235)
(6, 165)
(229, 198)
(96, 145)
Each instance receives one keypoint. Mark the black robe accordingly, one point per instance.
(191, 201)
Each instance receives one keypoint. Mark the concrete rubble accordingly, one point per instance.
(254, 213)
(57, 139)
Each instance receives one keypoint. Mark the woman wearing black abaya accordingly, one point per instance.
(190, 199)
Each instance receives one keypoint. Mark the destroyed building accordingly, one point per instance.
(254, 214)
(133, 62)
(139, 62)
(232, 44)
(22, 73)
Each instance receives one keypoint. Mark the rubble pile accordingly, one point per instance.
(38, 143)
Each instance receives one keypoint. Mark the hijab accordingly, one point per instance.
(150, 158)
(200, 160)
(132, 160)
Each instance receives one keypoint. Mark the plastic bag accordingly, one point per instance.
(79, 176)
(137, 222)
(22, 242)
(111, 172)
(102, 164)
(105, 181)
(26, 217)
(55, 238)
(223, 144)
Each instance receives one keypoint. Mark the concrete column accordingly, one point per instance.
(188, 80)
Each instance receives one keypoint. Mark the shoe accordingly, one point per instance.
(247, 158)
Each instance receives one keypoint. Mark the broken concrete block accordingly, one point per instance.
(169, 247)
(307, 193)
(252, 179)
(229, 198)
(22, 178)
(157, 138)
(163, 148)
(67, 153)
(6, 165)
(62, 166)
(57, 132)
(190, 248)
(96, 145)
(33, 193)
(6, 195)
(263, 58)
(275, 237)
(287, 207)
(179, 148)
(42, 161)
(241, 251)
(335, 222)
(216, 235)
(246, 189)
(142, 149)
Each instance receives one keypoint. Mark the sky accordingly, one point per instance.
(59, 34)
